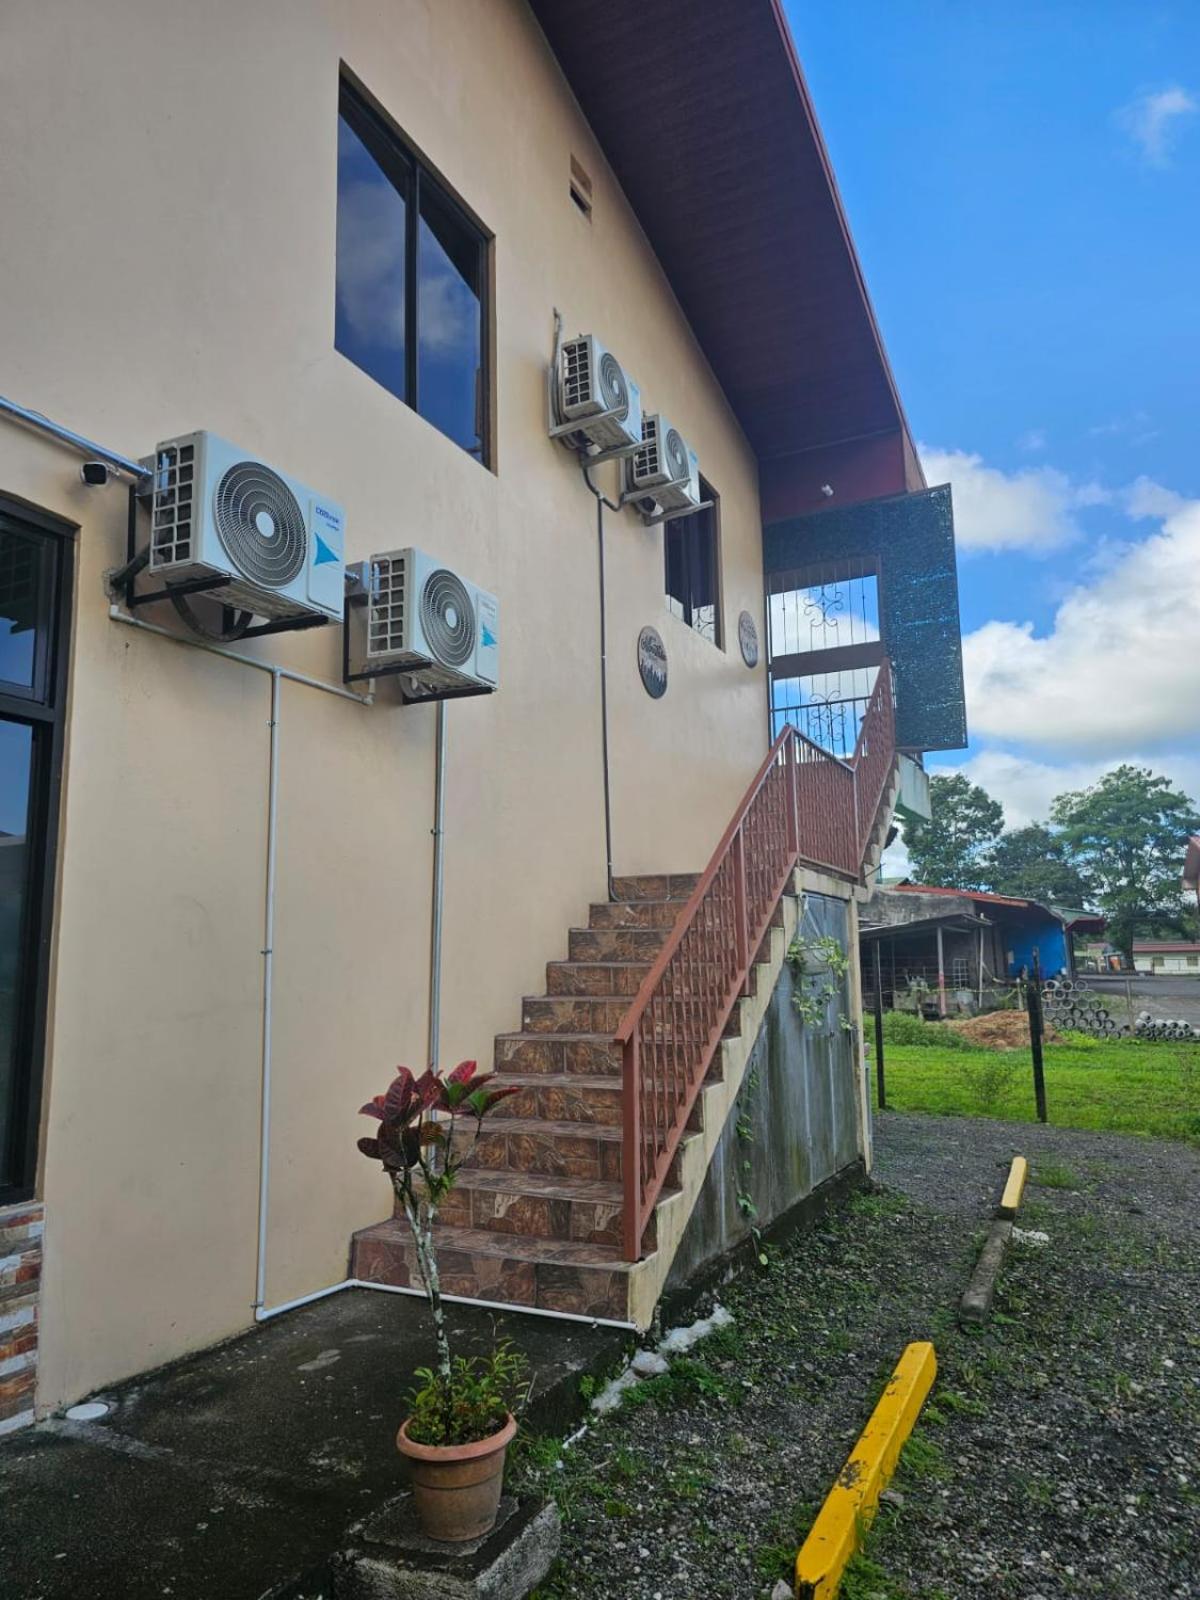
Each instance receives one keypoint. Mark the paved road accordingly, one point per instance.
(1166, 997)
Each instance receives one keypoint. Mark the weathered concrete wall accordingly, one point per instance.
(794, 1124)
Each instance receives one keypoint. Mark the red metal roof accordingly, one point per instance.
(1165, 947)
(969, 894)
(704, 115)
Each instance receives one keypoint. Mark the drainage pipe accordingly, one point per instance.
(88, 448)
(439, 867)
(268, 957)
(265, 1314)
(603, 501)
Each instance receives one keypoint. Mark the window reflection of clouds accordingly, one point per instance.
(371, 220)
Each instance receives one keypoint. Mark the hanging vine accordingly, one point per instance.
(815, 989)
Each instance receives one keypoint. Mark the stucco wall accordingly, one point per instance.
(796, 1120)
(168, 189)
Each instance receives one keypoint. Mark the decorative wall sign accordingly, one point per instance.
(652, 662)
(748, 639)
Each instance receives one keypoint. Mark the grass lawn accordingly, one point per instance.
(1112, 1088)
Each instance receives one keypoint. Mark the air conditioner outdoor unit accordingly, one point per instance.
(217, 512)
(597, 396)
(664, 470)
(426, 621)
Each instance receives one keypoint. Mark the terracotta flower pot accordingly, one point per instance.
(456, 1487)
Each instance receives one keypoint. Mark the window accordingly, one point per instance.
(35, 555)
(1193, 961)
(692, 547)
(412, 272)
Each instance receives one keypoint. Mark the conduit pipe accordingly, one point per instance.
(88, 448)
(268, 957)
(439, 863)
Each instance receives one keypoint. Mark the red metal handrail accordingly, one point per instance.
(803, 804)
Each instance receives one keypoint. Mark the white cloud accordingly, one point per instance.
(1032, 509)
(1145, 498)
(1120, 668)
(1025, 787)
(1153, 121)
(1033, 440)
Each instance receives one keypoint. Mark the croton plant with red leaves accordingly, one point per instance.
(422, 1147)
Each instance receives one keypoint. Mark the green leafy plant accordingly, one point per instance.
(473, 1401)
(421, 1148)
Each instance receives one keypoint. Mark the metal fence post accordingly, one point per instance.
(879, 1086)
(793, 814)
(1033, 1003)
(741, 931)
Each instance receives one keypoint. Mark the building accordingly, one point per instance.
(241, 882)
(944, 950)
(1179, 956)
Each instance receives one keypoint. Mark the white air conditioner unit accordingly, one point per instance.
(424, 620)
(217, 512)
(595, 398)
(664, 470)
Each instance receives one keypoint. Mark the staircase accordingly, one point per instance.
(535, 1218)
(628, 1065)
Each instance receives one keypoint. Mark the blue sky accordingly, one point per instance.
(1023, 185)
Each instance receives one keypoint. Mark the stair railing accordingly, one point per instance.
(804, 803)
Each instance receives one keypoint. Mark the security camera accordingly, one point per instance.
(827, 490)
(95, 473)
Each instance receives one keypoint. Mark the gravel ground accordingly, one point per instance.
(1059, 1454)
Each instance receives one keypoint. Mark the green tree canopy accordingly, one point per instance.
(1128, 832)
(948, 851)
(1035, 863)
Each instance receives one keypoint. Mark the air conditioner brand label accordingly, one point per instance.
(487, 652)
(327, 522)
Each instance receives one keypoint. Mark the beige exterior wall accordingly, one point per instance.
(168, 193)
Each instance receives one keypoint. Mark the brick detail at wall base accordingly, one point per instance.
(20, 1275)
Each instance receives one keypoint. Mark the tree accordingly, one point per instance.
(1036, 864)
(1128, 832)
(947, 851)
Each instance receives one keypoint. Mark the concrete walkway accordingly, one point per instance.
(234, 1474)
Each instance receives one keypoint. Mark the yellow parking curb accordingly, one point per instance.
(1014, 1188)
(852, 1502)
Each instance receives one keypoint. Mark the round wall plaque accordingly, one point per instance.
(652, 662)
(748, 639)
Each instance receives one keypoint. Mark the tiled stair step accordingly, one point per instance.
(560, 1097)
(596, 978)
(587, 1055)
(655, 886)
(615, 944)
(588, 1280)
(555, 1149)
(635, 914)
(572, 1014)
(529, 1203)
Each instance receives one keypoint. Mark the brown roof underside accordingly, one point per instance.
(704, 116)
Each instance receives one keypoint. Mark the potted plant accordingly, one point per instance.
(457, 1435)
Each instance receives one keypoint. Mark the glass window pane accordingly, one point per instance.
(369, 327)
(16, 766)
(21, 586)
(677, 585)
(450, 324)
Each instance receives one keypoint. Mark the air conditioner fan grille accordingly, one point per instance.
(674, 456)
(260, 524)
(448, 618)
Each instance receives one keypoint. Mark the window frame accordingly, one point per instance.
(390, 148)
(679, 525)
(46, 715)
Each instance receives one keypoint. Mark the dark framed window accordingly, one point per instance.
(36, 554)
(412, 279)
(692, 547)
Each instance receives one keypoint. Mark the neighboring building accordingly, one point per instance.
(946, 950)
(1167, 956)
(337, 236)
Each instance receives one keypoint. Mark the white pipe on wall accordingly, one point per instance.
(434, 1041)
(268, 955)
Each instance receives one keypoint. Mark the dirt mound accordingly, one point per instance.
(1000, 1030)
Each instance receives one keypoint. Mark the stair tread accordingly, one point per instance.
(513, 1246)
(560, 1038)
(597, 961)
(545, 1125)
(558, 1080)
(506, 1180)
